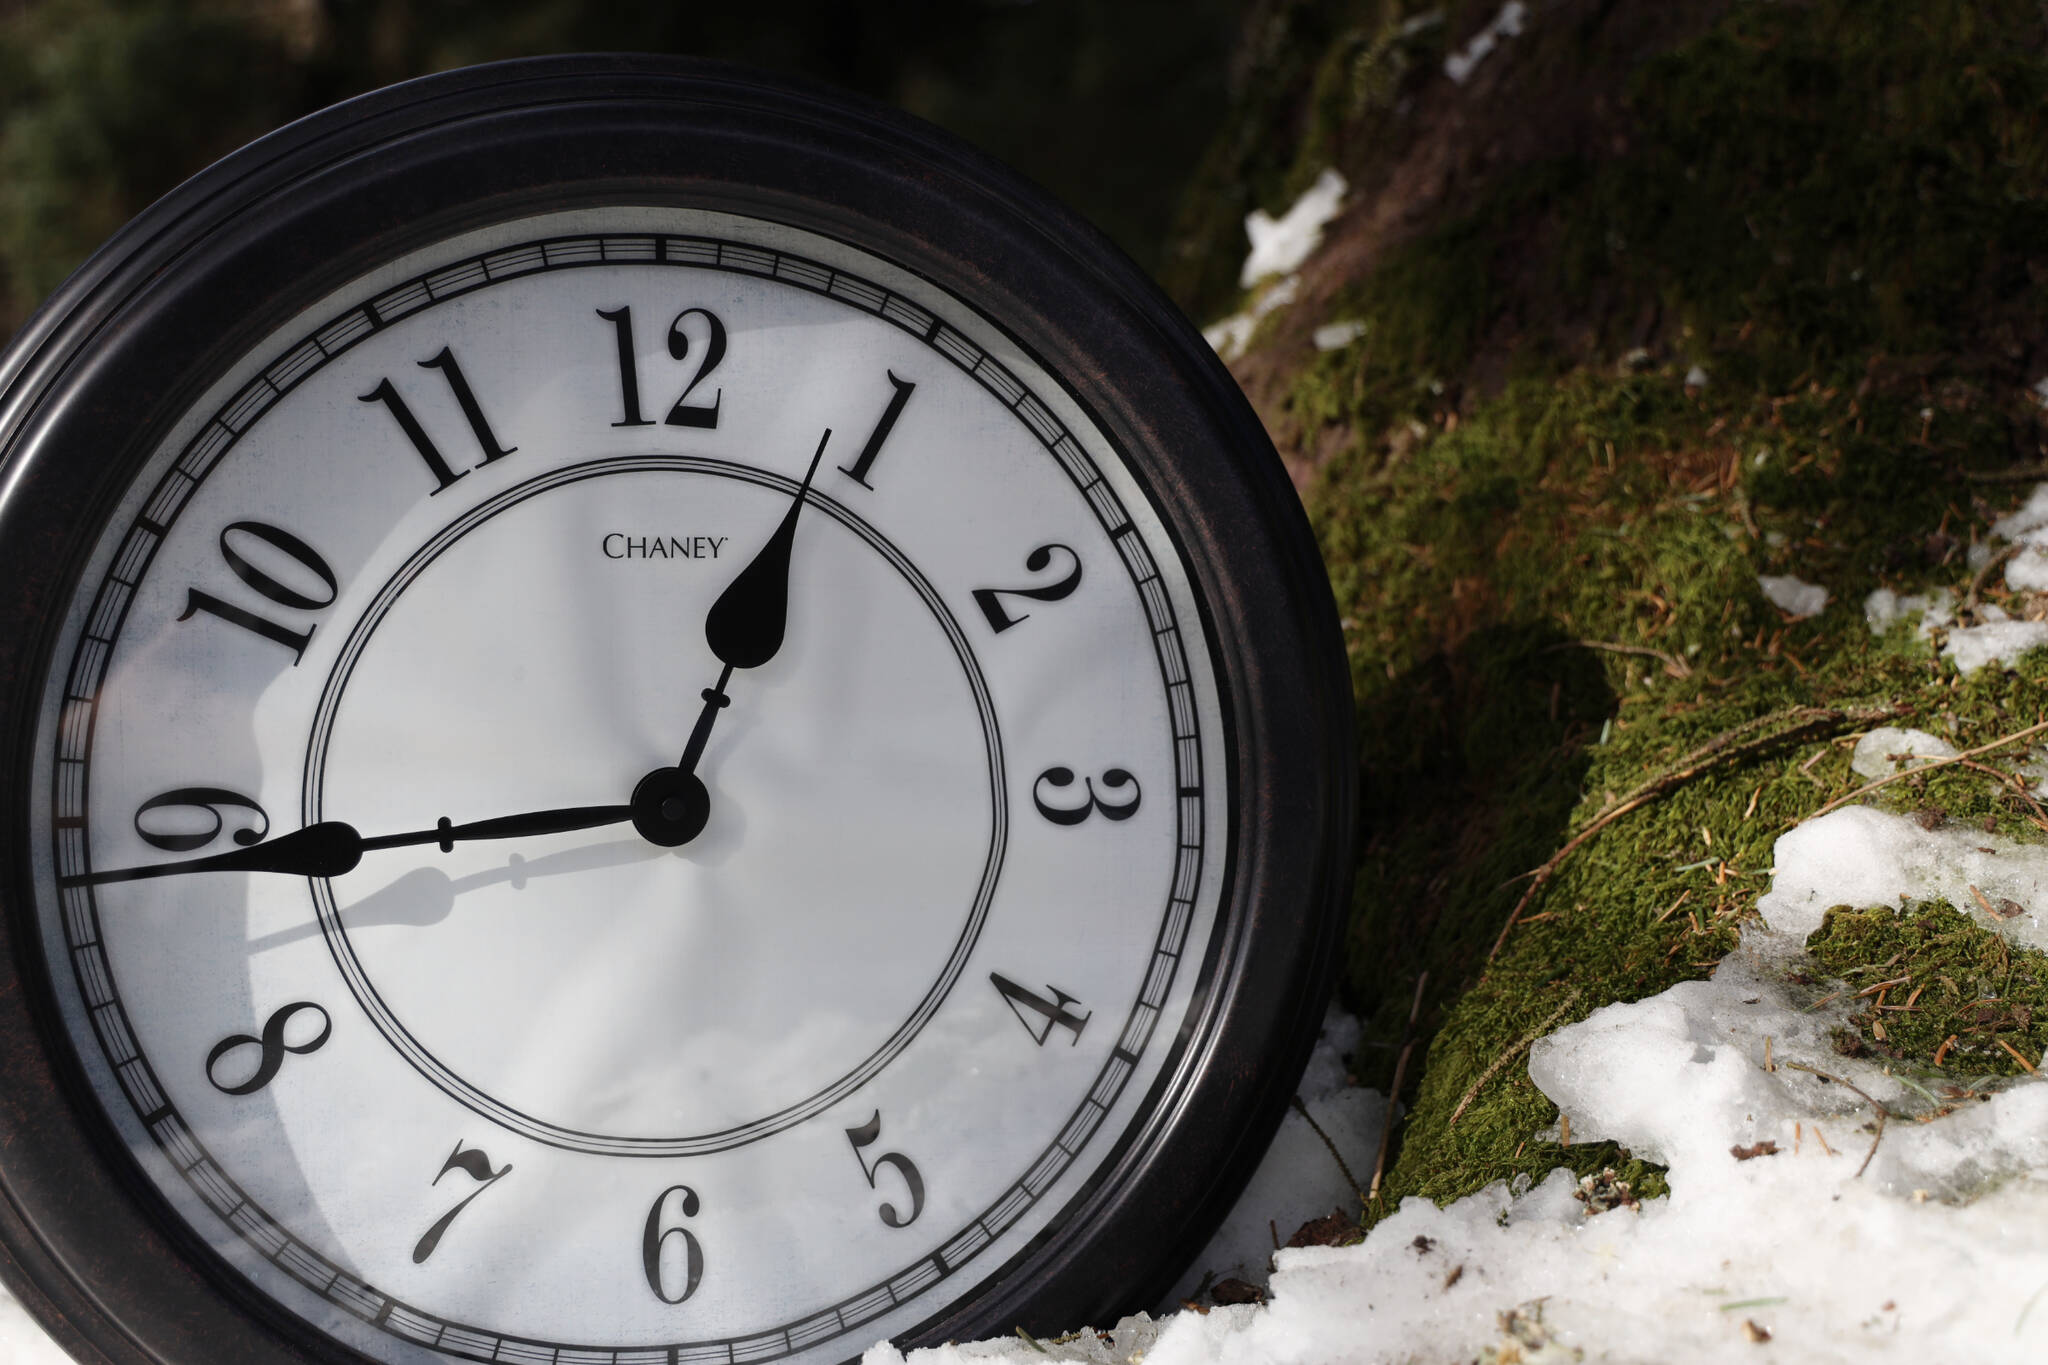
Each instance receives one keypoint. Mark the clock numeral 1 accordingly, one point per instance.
(465, 398)
(655, 1254)
(865, 1135)
(272, 1047)
(1038, 561)
(268, 585)
(472, 1162)
(858, 470)
(1058, 782)
(684, 413)
(1051, 1013)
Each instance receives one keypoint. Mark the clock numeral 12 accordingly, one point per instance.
(864, 1136)
(268, 585)
(472, 1162)
(465, 398)
(684, 413)
(654, 1243)
(1051, 1013)
(863, 462)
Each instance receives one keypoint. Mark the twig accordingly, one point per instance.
(1983, 574)
(1931, 764)
(1335, 1155)
(1721, 747)
(1571, 998)
(2015, 1055)
(1882, 1112)
(2040, 816)
(1379, 1165)
(1675, 666)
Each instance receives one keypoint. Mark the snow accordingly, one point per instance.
(1506, 24)
(1280, 245)
(2027, 571)
(1696, 377)
(1793, 595)
(1999, 642)
(1880, 752)
(1230, 336)
(1335, 336)
(22, 1342)
(1884, 606)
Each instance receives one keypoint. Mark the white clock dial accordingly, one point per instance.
(765, 788)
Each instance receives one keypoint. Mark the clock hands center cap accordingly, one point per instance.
(670, 807)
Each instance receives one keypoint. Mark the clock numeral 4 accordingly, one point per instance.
(1051, 1013)
(241, 545)
(272, 1047)
(1058, 784)
(472, 1162)
(664, 1262)
(865, 1135)
(465, 398)
(680, 347)
(990, 600)
(863, 462)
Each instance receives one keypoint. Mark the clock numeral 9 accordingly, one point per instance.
(865, 1135)
(680, 346)
(1038, 561)
(659, 1259)
(208, 799)
(272, 1046)
(306, 596)
(1058, 783)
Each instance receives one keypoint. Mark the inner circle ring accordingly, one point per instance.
(558, 1135)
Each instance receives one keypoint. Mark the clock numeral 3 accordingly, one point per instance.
(1051, 1013)
(656, 1256)
(474, 1163)
(863, 462)
(865, 1135)
(304, 597)
(1038, 561)
(465, 398)
(208, 799)
(273, 1048)
(1059, 782)
(680, 347)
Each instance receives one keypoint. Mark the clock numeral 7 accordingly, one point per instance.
(247, 561)
(472, 1162)
(656, 1256)
(680, 347)
(865, 1135)
(465, 398)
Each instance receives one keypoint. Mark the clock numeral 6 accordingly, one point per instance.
(272, 1045)
(865, 1135)
(1058, 783)
(174, 839)
(305, 596)
(680, 346)
(1038, 561)
(474, 1163)
(659, 1259)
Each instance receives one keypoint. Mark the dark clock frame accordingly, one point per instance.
(93, 381)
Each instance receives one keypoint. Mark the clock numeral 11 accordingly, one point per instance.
(304, 597)
(465, 398)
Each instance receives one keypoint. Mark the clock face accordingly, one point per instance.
(767, 785)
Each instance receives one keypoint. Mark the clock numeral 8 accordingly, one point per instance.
(865, 1135)
(654, 1249)
(1058, 783)
(273, 1045)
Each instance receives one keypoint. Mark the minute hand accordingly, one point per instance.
(332, 847)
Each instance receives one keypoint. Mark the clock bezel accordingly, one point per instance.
(211, 269)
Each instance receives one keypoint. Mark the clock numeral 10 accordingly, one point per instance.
(472, 1162)
(659, 1258)
(271, 1047)
(304, 597)
(465, 398)
(864, 1136)
(680, 346)
(1051, 1013)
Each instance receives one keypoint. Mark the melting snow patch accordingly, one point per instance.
(1281, 244)
(1788, 593)
(1336, 336)
(1884, 606)
(1696, 378)
(2028, 571)
(1507, 24)
(1999, 642)
(1883, 751)
(1230, 336)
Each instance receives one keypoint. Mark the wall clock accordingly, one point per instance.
(649, 717)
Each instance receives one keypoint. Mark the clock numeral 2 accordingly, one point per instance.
(268, 585)
(862, 463)
(465, 398)
(1051, 1013)
(684, 413)
(1038, 561)
(472, 1162)
(654, 1244)
(865, 1135)
(1058, 781)
(272, 1045)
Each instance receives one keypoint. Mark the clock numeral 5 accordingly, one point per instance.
(680, 346)
(1059, 782)
(1038, 561)
(865, 1135)
(272, 1047)
(465, 398)
(472, 1162)
(656, 1256)
(304, 597)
